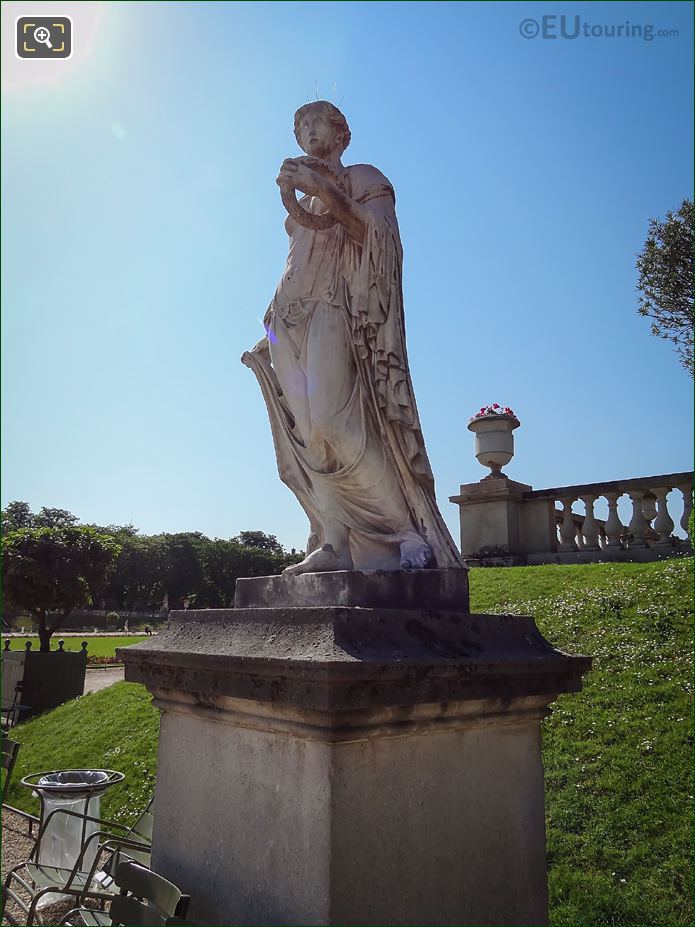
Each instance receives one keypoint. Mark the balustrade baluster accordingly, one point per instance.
(614, 527)
(598, 533)
(687, 492)
(590, 527)
(567, 528)
(663, 522)
(578, 536)
(649, 512)
(639, 526)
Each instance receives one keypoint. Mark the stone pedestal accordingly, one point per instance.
(353, 763)
(498, 521)
(416, 589)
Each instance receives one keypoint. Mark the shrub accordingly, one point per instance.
(112, 619)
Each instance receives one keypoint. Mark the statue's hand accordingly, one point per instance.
(261, 350)
(293, 173)
(262, 347)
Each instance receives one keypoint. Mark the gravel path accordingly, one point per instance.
(16, 847)
(97, 679)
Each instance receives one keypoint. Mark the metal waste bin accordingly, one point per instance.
(79, 792)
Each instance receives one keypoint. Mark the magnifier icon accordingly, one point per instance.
(43, 36)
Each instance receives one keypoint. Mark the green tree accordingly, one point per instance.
(54, 518)
(16, 515)
(222, 563)
(52, 571)
(226, 561)
(137, 578)
(665, 267)
(260, 540)
(183, 573)
(117, 531)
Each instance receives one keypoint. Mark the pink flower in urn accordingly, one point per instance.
(494, 409)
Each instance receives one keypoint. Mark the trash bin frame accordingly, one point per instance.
(77, 790)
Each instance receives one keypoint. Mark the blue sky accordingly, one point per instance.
(144, 238)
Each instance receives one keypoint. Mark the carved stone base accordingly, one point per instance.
(352, 765)
(444, 589)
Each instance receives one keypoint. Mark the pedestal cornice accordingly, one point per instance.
(345, 659)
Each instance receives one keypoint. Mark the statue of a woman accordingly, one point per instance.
(334, 371)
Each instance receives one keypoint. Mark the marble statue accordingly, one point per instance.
(333, 367)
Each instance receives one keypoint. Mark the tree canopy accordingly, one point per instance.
(665, 267)
(149, 572)
(260, 540)
(55, 570)
(17, 515)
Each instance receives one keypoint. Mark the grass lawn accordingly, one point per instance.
(618, 756)
(96, 646)
(115, 728)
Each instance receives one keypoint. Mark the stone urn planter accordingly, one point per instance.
(494, 441)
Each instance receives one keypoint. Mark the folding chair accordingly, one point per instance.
(12, 713)
(145, 899)
(35, 879)
(10, 749)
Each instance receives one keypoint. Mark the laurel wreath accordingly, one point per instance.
(288, 194)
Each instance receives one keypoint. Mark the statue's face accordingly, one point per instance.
(318, 135)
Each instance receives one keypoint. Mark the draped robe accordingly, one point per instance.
(337, 387)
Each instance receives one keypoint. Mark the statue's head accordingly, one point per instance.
(319, 123)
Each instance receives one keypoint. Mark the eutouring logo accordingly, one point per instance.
(553, 26)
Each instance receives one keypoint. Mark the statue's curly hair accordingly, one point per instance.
(331, 112)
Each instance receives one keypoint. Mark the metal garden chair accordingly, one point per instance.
(33, 879)
(13, 712)
(145, 899)
(10, 749)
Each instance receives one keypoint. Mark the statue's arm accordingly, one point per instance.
(352, 216)
(372, 198)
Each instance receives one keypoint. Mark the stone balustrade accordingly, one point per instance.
(505, 521)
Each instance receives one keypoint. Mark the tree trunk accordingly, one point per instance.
(44, 633)
(47, 631)
(59, 621)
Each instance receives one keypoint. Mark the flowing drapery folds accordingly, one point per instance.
(334, 375)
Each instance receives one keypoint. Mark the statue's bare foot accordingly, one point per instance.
(416, 555)
(323, 560)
